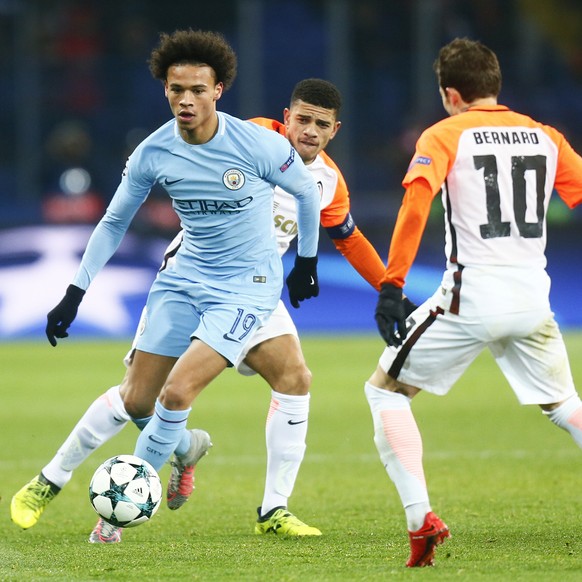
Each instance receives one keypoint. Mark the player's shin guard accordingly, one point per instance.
(399, 444)
(103, 420)
(162, 434)
(285, 433)
(569, 417)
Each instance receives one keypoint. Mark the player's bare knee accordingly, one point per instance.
(137, 406)
(304, 380)
(381, 379)
(295, 383)
(138, 398)
(177, 396)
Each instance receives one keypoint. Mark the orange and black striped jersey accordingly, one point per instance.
(496, 171)
(335, 214)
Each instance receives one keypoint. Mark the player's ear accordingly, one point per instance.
(166, 88)
(286, 115)
(453, 96)
(218, 88)
(336, 128)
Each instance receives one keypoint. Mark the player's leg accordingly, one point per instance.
(132, 400)
(141, 387)
(194, 445)
(567, 414)
(165, 334)
(143, 383)
(538, 370)
(399, 445)
(280, 361)
(193, 371)
(139, 390)
(434, 355)
(108, 414)
(104, 418)
(221, 329)
(147, 373)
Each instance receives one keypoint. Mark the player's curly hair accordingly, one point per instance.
(196, 47)
(469, 67)
(318, 92)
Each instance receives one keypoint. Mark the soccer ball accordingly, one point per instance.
(125, 491)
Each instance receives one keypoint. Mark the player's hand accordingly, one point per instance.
(409, 306)
(390, 315)
(60, 318)
(302, 280)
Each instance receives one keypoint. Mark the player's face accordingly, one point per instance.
(310, 128)
(192, 93)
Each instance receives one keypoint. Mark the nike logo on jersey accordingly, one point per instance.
(230, 339)
(170, 182)
(292, 422)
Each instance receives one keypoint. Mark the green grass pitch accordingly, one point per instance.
(503, 477)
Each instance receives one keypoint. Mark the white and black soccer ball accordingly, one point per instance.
(125, 491)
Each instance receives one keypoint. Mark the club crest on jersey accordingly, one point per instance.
(423, 160)
(233, 179)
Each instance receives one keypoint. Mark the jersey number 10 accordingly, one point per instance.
(495, 227)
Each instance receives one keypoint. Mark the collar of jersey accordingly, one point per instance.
(488, 108)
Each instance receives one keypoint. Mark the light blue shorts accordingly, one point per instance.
(178, 310)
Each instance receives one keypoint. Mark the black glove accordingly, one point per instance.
(302, 280)
(60, 318)
(390, 313)
(409, 307)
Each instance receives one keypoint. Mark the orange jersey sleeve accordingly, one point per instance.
(569, 170)
(334, 213)
(408, 231)
(363, 257)
(355, 247)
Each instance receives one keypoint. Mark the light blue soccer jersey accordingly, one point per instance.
(223, 193)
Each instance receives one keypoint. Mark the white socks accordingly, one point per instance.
(399, 444)
(102, 420)
(285, 433)
(569, 417)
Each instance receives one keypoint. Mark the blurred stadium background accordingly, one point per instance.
(77, 97)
